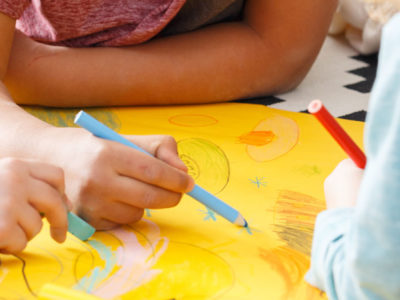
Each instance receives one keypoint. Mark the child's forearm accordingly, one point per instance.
(225, 62)
(210, 65)
(18, 130)
(269, 52)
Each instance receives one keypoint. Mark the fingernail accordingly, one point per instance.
(184, 166)
(190, 185)
(181, 165)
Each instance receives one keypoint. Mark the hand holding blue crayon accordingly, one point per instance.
(100, 130)
(29, 191)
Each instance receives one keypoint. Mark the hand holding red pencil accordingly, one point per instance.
(332, 126)
(342, 185)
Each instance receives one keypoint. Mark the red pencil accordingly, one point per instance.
(328, 121)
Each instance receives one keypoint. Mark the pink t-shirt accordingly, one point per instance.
(82, 23)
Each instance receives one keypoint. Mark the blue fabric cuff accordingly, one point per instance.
(330, 226)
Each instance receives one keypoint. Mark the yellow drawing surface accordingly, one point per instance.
(268, 164)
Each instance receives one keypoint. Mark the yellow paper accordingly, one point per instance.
(268, 164)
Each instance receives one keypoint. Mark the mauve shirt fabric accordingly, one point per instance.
(82, 23)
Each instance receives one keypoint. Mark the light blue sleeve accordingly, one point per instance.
(356, 251)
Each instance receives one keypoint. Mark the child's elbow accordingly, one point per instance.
(285, 79)
(290, 82)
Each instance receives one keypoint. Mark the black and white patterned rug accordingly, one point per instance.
(340, 77)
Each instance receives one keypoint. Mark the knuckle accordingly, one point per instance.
(168, 142)
(170, 200)
(5, 231)
(168, 139)
(12, 172)
(17, 246)
(149, 198)
(59, 178)
(175, 199)
(35, 230)
(152, 173)
(55, 202)
(14, 180)
(11, 163)
(8, 207)
(101, 224)
(138, 215)
(161, 141)
(133, 216)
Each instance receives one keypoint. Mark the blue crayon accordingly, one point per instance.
(100, 130)
(79, 228)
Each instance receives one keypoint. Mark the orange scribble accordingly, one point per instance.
(294, 208)
(291, 265)
(271, 138)
(257, 138)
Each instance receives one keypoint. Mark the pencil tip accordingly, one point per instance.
(240, 221)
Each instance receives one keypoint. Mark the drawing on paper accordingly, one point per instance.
(309, 170)
(207, 163)
(193, 120)
(254, 158)
(259, 182)
(65, 117)
(294, 217)
(270, 138)
(291, 265)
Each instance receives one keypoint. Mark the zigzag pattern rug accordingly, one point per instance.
(340, 77)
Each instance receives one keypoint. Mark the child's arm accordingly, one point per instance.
(108, 183)
(328, 257)
(355, 250)
(270, 51)
(28, 188)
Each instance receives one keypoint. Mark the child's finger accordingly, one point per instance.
(122, 213)
(148, 169)
(50, 174)
(15, 242)
(167, 151)
(163, 147)
(30, 221)
(143, 195)
(49, 201)
(103, 224)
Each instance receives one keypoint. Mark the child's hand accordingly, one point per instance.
(342, 185)
(112, 184)
(28, 188)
